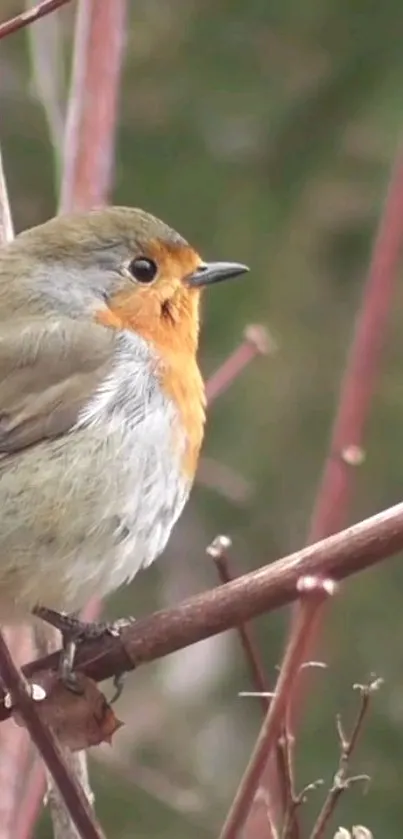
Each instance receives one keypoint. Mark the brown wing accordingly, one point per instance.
(49, 369)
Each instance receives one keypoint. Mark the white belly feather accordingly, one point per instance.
(98, 511)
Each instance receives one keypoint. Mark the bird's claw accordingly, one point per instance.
(71, 627)
(74, 631)
(118, 684)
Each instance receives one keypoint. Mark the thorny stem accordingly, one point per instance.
(312, 591)
(30, 16)
(341, 781)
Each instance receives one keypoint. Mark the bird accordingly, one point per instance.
(102, 402)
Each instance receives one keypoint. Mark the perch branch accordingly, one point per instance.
(207, 614)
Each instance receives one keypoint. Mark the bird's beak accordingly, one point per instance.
(208, 273)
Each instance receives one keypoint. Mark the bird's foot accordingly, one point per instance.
(72, 627)
(74, 631)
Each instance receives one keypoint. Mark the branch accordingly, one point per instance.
(312, 591)
(218, 552)
(86, 170)
(30, 16)
(91, 117)
(256, 341)
(207, 614)
(362, 369)
(348, 745)
(282, 776)
(46, 743)
(14, 743)
(358, 386)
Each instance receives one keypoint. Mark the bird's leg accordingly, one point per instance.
(73, 632)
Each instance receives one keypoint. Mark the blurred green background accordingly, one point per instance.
(264, 132)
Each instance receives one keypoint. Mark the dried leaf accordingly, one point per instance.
(79, 720)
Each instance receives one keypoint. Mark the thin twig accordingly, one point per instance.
(46, 743)
(211, 612)
(312, 591)
(341, 781)
(256, 341)
(290, 825)
(30, 16)
(218, 551)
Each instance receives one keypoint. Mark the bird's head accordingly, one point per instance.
(126, 268)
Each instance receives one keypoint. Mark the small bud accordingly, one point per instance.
(310, 583)
(353, 455)
(38, 693)
(342, 833)
(361, 832)
(7, 701)
(218, 546)
(259, 337)
(265, 694)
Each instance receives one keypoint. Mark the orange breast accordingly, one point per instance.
(181, 380)
(178, 371)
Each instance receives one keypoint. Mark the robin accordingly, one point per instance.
(102, 402)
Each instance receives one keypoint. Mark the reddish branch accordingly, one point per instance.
(30, 16)
(87, 167)
(256, 341)
(207, 614)
(362, 369)
(91, 117)
(358, 386)
(14, 744)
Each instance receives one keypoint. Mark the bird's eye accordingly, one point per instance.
(143, 270)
